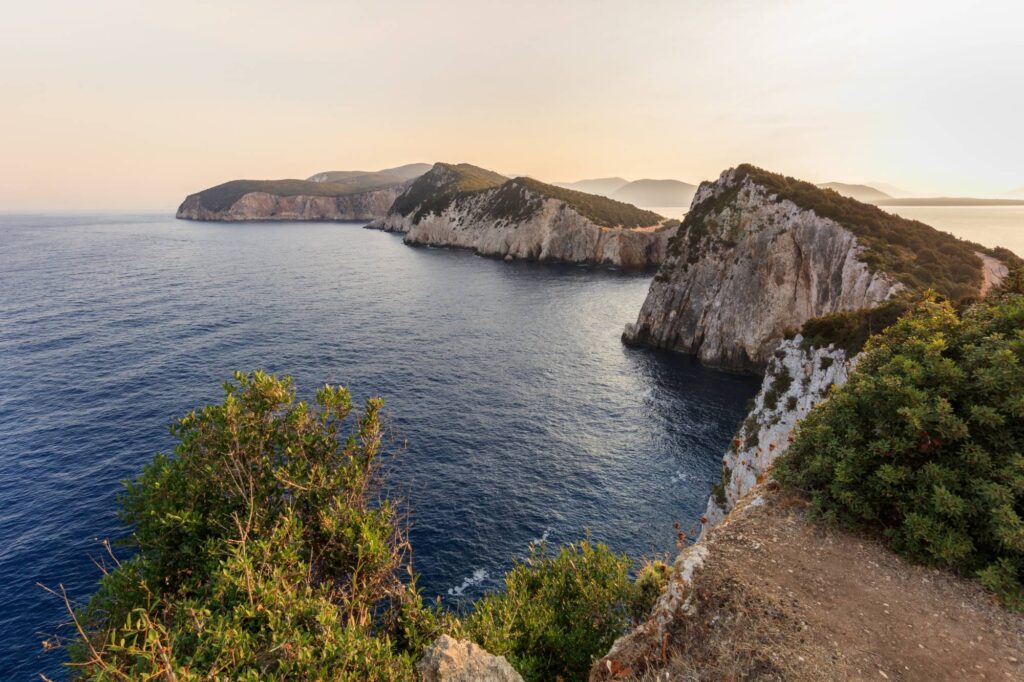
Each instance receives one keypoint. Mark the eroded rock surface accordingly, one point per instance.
(796, 380)
(456, 660)
(745, 267)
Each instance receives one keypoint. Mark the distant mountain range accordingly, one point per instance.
(1019, 192)
(666, 193)
(604, 187)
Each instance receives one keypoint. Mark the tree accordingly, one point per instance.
(262, 551)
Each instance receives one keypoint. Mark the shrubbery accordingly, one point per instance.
(925, 443)
(263, 550)
(559, 612)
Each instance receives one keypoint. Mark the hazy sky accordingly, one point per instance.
(111, 104)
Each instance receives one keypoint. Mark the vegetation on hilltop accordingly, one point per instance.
(925, 442)
(264, 549)
(435, 190)
(915, 254)
(598, 209)
(850, 329)
(223, 197)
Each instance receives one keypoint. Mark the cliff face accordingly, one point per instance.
(795, 380)
(744, 267)
(269, 206)
(519, 220)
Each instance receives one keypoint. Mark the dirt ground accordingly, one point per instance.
(781, 598)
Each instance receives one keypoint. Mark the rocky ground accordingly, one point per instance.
(779, 597)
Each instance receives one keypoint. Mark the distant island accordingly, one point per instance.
(329, 196)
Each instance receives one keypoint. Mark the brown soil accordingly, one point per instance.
(781, 598)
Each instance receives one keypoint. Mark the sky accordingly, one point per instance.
(117, 105)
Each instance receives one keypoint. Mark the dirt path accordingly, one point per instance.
(780, 598)
(993, 271)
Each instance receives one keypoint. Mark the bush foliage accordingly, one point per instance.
(925, 443)
(559, 612)
(263, 550)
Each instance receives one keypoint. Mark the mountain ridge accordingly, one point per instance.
(464, 206)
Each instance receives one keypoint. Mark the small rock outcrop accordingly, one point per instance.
(746, 266)
(523, 219)
(455, 660)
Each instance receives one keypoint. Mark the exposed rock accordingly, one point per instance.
(993, 270)
(745, 267)
(268, 206)
(519, 219)
(455, 660)
(796, 380)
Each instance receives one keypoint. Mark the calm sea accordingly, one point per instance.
(518, 413)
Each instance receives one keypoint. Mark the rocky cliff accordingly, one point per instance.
(745, 266)
(466, 207)
(797, 378)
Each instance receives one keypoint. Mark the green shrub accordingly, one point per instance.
(925, 443)
(559, 612)
(262, 551)
(849, 330)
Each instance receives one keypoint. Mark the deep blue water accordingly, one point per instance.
(518, 412)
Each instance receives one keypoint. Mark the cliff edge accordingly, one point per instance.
(463, 206)
(760, 253)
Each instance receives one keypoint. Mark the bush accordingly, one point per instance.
(925, 443)
(559, 612)
(849, 330)
(261, 551)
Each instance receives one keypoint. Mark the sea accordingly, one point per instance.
(515, 413)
